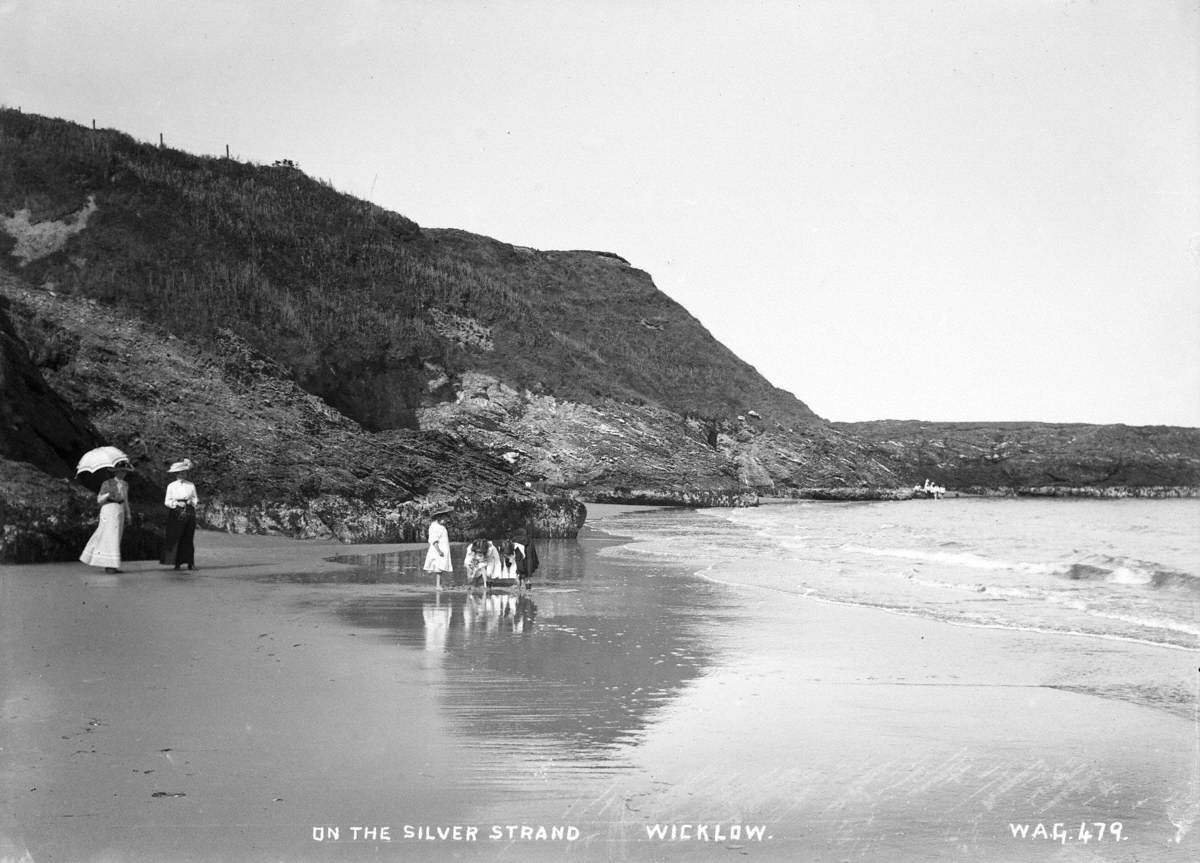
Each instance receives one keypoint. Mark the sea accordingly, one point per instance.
(1126, 569)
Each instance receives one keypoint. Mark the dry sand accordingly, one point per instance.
(256, 708)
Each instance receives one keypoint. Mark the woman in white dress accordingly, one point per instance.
(437, 558)
(179, 543)
(104, 546)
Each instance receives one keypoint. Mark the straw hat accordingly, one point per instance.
(180, 466)
(441, 510)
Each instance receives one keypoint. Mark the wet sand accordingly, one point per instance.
(280, 705)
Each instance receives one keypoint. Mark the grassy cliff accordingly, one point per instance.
(363, 307)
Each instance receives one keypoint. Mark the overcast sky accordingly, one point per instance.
(930, 210)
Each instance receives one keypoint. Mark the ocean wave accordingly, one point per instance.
(1115, 570)
(1089, 606)
(953, 558)
(1130, 572)
(1153, 631)
(976, 587)
(1153, 623)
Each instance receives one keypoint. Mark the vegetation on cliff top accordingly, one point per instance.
(363, 307)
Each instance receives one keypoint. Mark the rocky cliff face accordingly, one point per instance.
(271, 458)
(45, 518)
(37, 424)
(614, 451)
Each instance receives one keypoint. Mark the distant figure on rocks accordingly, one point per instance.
(178, 545)
(104, 546)
(934, 491)
(437, 559)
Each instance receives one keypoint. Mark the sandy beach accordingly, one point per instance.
(297, 701)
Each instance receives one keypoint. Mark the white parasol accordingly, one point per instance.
(100, 458)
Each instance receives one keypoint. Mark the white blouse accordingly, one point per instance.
(180, 493)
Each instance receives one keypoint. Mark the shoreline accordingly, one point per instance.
(635, 695)
(902, 493)
(41, 546)
(966, 624)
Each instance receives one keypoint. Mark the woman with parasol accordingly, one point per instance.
(104, 546)
(178, 545)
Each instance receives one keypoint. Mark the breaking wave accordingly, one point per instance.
(1108, 569)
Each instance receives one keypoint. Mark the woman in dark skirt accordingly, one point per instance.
(181, 500)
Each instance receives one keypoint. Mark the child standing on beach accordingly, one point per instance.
(437, 558)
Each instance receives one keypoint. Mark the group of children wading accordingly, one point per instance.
(512, 561)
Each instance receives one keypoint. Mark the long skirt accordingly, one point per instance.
(435, 562)
(104, 547)
(178, 545)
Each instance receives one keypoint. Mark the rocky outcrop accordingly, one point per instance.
(609, 451)
(1112, 492)
(34, 240)
(36, 424)
(41, 518)
(337, 517)
(44, 518)
(675, 497)
(851, 493)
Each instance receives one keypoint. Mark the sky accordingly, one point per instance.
(972, 211)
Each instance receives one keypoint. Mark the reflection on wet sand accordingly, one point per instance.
(585, 658)
(437, 624)
(499, 612)
(486, 613)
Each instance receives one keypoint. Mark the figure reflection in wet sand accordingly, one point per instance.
(437, 624)
(482, 563)
(437, 559)
(498, 612)
(523, 614)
